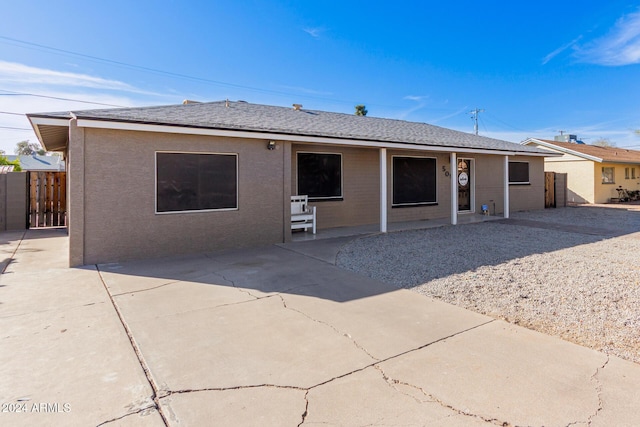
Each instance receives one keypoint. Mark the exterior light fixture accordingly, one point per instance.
(271, 145)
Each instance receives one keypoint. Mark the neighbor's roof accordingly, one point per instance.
(591, 152)
(37, 162)
(270, 121)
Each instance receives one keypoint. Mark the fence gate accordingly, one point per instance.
(549, 190)
(47, 199)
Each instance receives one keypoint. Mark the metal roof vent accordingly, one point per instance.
(297, 107)
(188, 101)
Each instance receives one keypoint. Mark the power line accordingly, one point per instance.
(13, 128)
(12, 93)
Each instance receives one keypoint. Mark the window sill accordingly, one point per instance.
(413, 205)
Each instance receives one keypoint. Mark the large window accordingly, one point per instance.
(608, 175)
(518, 173)
(320, 175)
(414, 181)
(195, 182)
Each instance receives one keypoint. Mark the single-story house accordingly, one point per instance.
(593, 173)
(199, 177)
(39, 163)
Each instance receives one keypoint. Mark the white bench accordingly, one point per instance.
(303, 216)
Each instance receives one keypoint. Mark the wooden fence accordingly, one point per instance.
(47, 199)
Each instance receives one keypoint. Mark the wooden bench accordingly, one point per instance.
(303, 216)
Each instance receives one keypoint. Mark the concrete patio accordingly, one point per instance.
(274, 336)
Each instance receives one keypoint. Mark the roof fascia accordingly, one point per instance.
(87, 123)
(562, 149)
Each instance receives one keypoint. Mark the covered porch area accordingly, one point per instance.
(363, 230)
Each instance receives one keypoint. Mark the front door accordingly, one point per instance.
(465, 186)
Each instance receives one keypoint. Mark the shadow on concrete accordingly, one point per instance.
(370, 265)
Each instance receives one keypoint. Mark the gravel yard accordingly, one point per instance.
(582, 285)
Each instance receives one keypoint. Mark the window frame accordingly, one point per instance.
(633, 173)
(528, 181)
(237, 173)
(613, 175)
(627, 173)
(320, 198)
(393, 179)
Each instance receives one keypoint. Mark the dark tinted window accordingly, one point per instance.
(518, 172)
(190, 182)
(320, 175)
(414, 180)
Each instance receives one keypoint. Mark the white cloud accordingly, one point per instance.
(314, 32)
(621, 46)
(559, 50)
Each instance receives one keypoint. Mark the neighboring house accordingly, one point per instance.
(201, 177)
(39, 163)
(593, 173)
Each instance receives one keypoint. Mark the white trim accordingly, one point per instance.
(393, 171)
(562, 149)
(155, 178)
(383, 190)
(454, 188)
(49, 121)
(312, 198)
(293, 138)
(506, 187)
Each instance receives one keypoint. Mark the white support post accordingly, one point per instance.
(454, 189)
(383, 190)
(506, 186)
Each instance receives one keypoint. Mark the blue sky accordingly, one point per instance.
(534, 67)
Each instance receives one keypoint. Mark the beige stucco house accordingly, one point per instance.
(199, 177)
(593, 173)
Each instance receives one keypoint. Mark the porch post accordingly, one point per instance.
(454, 189)
(383, 190)
(506, 186)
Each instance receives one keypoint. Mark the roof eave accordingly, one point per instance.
(293, 137)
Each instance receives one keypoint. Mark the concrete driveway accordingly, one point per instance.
(275, 336)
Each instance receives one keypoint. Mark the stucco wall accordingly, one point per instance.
(531, 196)
(580, 177)
(118, 198)
(604, 192)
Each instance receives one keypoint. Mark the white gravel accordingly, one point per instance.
(581, 286)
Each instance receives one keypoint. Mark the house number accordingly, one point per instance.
(446, 172)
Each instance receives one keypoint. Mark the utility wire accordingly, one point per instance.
(13, 128)
(12, 93)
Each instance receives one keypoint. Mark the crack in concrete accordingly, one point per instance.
(13, 255)
(136, 349)
(598, 388)
(306, 408)
(139, 411)
(344, 334)
(392, 382)
(148, 289)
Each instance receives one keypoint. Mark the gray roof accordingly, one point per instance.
(37, 162)
(243, 116)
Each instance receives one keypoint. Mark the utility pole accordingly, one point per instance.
(474, 117)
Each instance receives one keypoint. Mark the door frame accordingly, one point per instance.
(472, 185)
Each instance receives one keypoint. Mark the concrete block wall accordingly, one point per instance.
(14, 189)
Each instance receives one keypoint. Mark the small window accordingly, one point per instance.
(626, 173)
(414, 181)
(196, 182)
(608, 175)
(519, 173)
(633, 173)
(320, 175)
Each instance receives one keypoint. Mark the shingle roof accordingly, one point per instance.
(38, 162)
(243, 116)
(607, 154)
